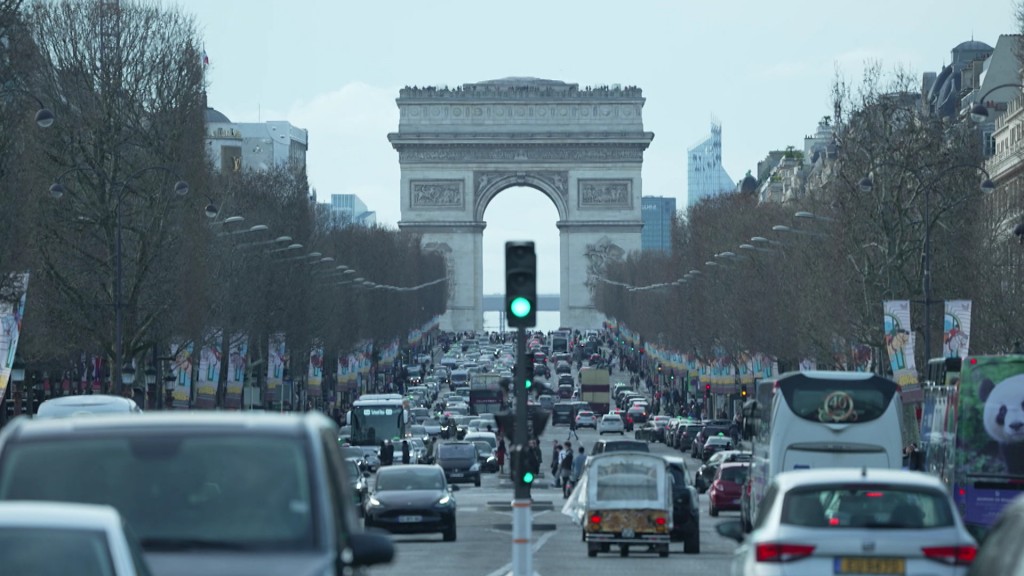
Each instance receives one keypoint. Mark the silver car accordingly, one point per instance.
(853, 521)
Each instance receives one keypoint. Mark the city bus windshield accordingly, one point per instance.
(371, 424)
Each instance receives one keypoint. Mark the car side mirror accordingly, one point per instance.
(731, 529)
(366, 549)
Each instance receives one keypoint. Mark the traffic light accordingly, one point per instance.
(528, 373)
(522, 474)
(743, 391)
(520, 284)
(707, 389)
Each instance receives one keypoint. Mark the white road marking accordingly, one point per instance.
(507, 568)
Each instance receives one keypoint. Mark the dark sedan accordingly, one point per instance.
(412, 499)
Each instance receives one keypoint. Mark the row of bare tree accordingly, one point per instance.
(816, 287)
(125, 82)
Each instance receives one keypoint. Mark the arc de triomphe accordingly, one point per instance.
(459, 148)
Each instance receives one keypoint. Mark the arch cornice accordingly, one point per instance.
(552, 183)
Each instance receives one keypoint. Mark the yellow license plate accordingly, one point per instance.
(849, 565)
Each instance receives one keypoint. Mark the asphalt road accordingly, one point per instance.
(484, 543)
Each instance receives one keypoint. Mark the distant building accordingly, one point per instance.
(348, 210)
(237, 146)
(980, 78)
(658, 214)
(791, 174)
(705, 175)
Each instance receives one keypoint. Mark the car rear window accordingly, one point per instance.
(458, 451)
(867, 506)
(51, 550)
(626, 445)
(737, 474)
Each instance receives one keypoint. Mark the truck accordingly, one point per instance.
(487, 393)
(595, 389)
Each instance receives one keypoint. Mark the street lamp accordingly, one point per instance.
(986, 186)
(979, 113)
(57, 190)
(44, 116)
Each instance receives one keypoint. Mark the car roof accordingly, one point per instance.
(169, 422)
(29, 513)
(797, 478)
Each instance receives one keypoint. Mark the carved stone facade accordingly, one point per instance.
(583, 149)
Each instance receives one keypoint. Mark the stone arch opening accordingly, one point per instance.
(583, 149)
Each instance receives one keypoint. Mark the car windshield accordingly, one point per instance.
(30, 550)
(871, 506)
(175, 488)
(458, 451)
(390, 479)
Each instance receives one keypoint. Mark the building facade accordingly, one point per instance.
(350, 210)
(237, 146)
(705, 175)
(658, 213)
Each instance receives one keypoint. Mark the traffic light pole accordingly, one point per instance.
(522, 559)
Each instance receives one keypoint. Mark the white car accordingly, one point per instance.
(611, 423)
(586, 419)
(67, 538)
(857, 521)
(86, 405)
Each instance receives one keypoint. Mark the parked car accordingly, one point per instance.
(65, 538)
(412, 499)
(611, 423)
(724, 493)
(586, 419)
(849, 520)
(206, 492)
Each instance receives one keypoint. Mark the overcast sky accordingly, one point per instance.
(334, 67)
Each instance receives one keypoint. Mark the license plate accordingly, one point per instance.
(847, 565)
(628, 533)
(456, 474)
(409, 519)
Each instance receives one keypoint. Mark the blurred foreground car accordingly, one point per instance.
(850, 521)
(1001, 552)
(206, 493)
(44, 538)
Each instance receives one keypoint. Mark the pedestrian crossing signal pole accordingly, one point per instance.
(521, 304)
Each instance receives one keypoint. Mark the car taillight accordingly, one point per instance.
(595, 519)
(660, 521)
(775, 552)
(952, 555)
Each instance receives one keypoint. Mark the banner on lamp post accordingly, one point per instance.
(182, 372)
(10, 321)
(315, 375)
(956, 329)
(277, 360)
(899, 347)
(237, 353)
(209, 372)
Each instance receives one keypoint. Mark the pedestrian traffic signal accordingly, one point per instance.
(528, 373)
(528, 477)
(520, 284)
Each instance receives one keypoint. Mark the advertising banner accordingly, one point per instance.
(182, 371)
(315, 377)
(899, 347)
(277, 361)
(956, 331)
(237, 354)
(209, 373)
(10, 329)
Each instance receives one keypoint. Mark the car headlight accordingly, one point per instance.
(475, 467)
(445, 500)
(373, 501)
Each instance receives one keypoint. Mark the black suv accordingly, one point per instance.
(685, 514)
(459, 461)
(562, 413)
(207, 493)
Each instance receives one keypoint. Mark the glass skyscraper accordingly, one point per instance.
(658, 213)
(705, 174)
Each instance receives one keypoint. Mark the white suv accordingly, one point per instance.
(611, 423)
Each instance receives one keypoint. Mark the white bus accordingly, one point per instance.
(376, 417)
(821, 419)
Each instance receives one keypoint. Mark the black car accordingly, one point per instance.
(206, 492)
(356, 476)
(706, 432)
(562, 413)
(706, 473)
(412, 499)
(459, 461)
(685, 512)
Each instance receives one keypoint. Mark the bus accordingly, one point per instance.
(377, 417)
(975, 443)
(821, 419)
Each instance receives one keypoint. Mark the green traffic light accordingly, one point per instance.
(528, 477)
(520, 307)
(528, 384)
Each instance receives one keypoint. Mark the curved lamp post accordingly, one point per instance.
(44, 116)
(866, 185)
(979, 112)
(57, 190)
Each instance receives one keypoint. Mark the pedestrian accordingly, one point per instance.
(501, 455)
(565, 470)
(405, 451)
(577, 465)
(572, 427)
(555, 461)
